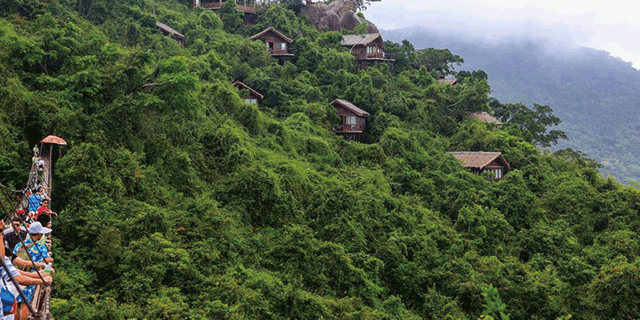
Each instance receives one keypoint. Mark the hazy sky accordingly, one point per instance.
(608, 25)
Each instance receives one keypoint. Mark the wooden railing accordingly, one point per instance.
(375, 55)
(218, 5)
(278, 51)
(42, 293)
(350, 128)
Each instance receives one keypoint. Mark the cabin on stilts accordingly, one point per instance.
(248, 7)
(353, 122)
(276, 42)
(252, 95)
(479, 162)
(368, 49)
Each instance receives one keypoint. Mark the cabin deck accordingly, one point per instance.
(218, 5)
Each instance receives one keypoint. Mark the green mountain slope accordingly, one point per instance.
(594, 94)
(177, 200)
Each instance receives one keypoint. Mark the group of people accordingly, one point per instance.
(38, 206)
(26, 253)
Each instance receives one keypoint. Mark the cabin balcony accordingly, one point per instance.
(377, 55)
(218, 4)
(279, 52)
(350, 128)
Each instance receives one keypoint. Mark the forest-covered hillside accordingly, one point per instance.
(594, 94)
(178, 200)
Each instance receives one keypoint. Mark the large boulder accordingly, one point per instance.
(335, 16)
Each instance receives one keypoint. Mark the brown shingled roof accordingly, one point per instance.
(359, 39)
(449, 81)
(241, 85)
(484, 117)
(479, 159)
(272, 29)
(350, 106)
(169, 30)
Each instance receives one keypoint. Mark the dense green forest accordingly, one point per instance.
(596, 95)
(177, 200)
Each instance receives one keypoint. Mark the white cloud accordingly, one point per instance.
(606, 25)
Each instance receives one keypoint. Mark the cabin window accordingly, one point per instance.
(371, 49)
(350, 120)
(251, 100)
(283, 46)
(497, 173)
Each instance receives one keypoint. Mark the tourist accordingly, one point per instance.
(40, 256)
(34, 201)
(44, 209)
(16, 234)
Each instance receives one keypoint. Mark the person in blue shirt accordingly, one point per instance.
(40, 255)
(35, 200)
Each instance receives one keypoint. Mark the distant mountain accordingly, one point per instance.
(597, 96)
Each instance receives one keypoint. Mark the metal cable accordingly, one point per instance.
(33, 178)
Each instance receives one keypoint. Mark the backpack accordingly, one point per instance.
(8, 299)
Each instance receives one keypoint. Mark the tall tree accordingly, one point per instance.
(534, 122)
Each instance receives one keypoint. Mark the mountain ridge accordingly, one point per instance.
(593, 93)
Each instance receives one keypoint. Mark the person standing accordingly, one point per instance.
(35, 200)
(14, 235)
(40, 256)
(44, 209)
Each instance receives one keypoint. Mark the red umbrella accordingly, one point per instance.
(54, 140)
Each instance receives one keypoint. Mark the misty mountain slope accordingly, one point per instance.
(596, 95)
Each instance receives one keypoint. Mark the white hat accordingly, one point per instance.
(36, 228)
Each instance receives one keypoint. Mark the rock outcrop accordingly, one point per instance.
(337, 15)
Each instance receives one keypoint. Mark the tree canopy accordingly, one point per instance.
(177, 199)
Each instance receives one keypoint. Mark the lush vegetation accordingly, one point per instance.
(594, 94)
(178, 200)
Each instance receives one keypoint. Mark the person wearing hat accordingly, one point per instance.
(38, 252)
(23, 278)
(40, 255)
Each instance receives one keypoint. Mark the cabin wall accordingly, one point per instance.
(374, 50)
(251, 98)
(497, 172)
(351, 122)
(274, 43)
(496, 163)
(247, 7)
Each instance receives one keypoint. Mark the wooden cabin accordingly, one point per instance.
(367, 48)
(170, 31)
(242, 5)
(353, 122)
(446, 80)
(484, 117)
(246, 6)
(276, 42)
(479, 162)
(252, 96)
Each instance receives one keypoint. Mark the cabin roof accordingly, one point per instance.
(484, 117)
(448, 81)
(479, 160)
(169, 30)
(348, 105)
(360, 39)
(241, 85)
(272, 29)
